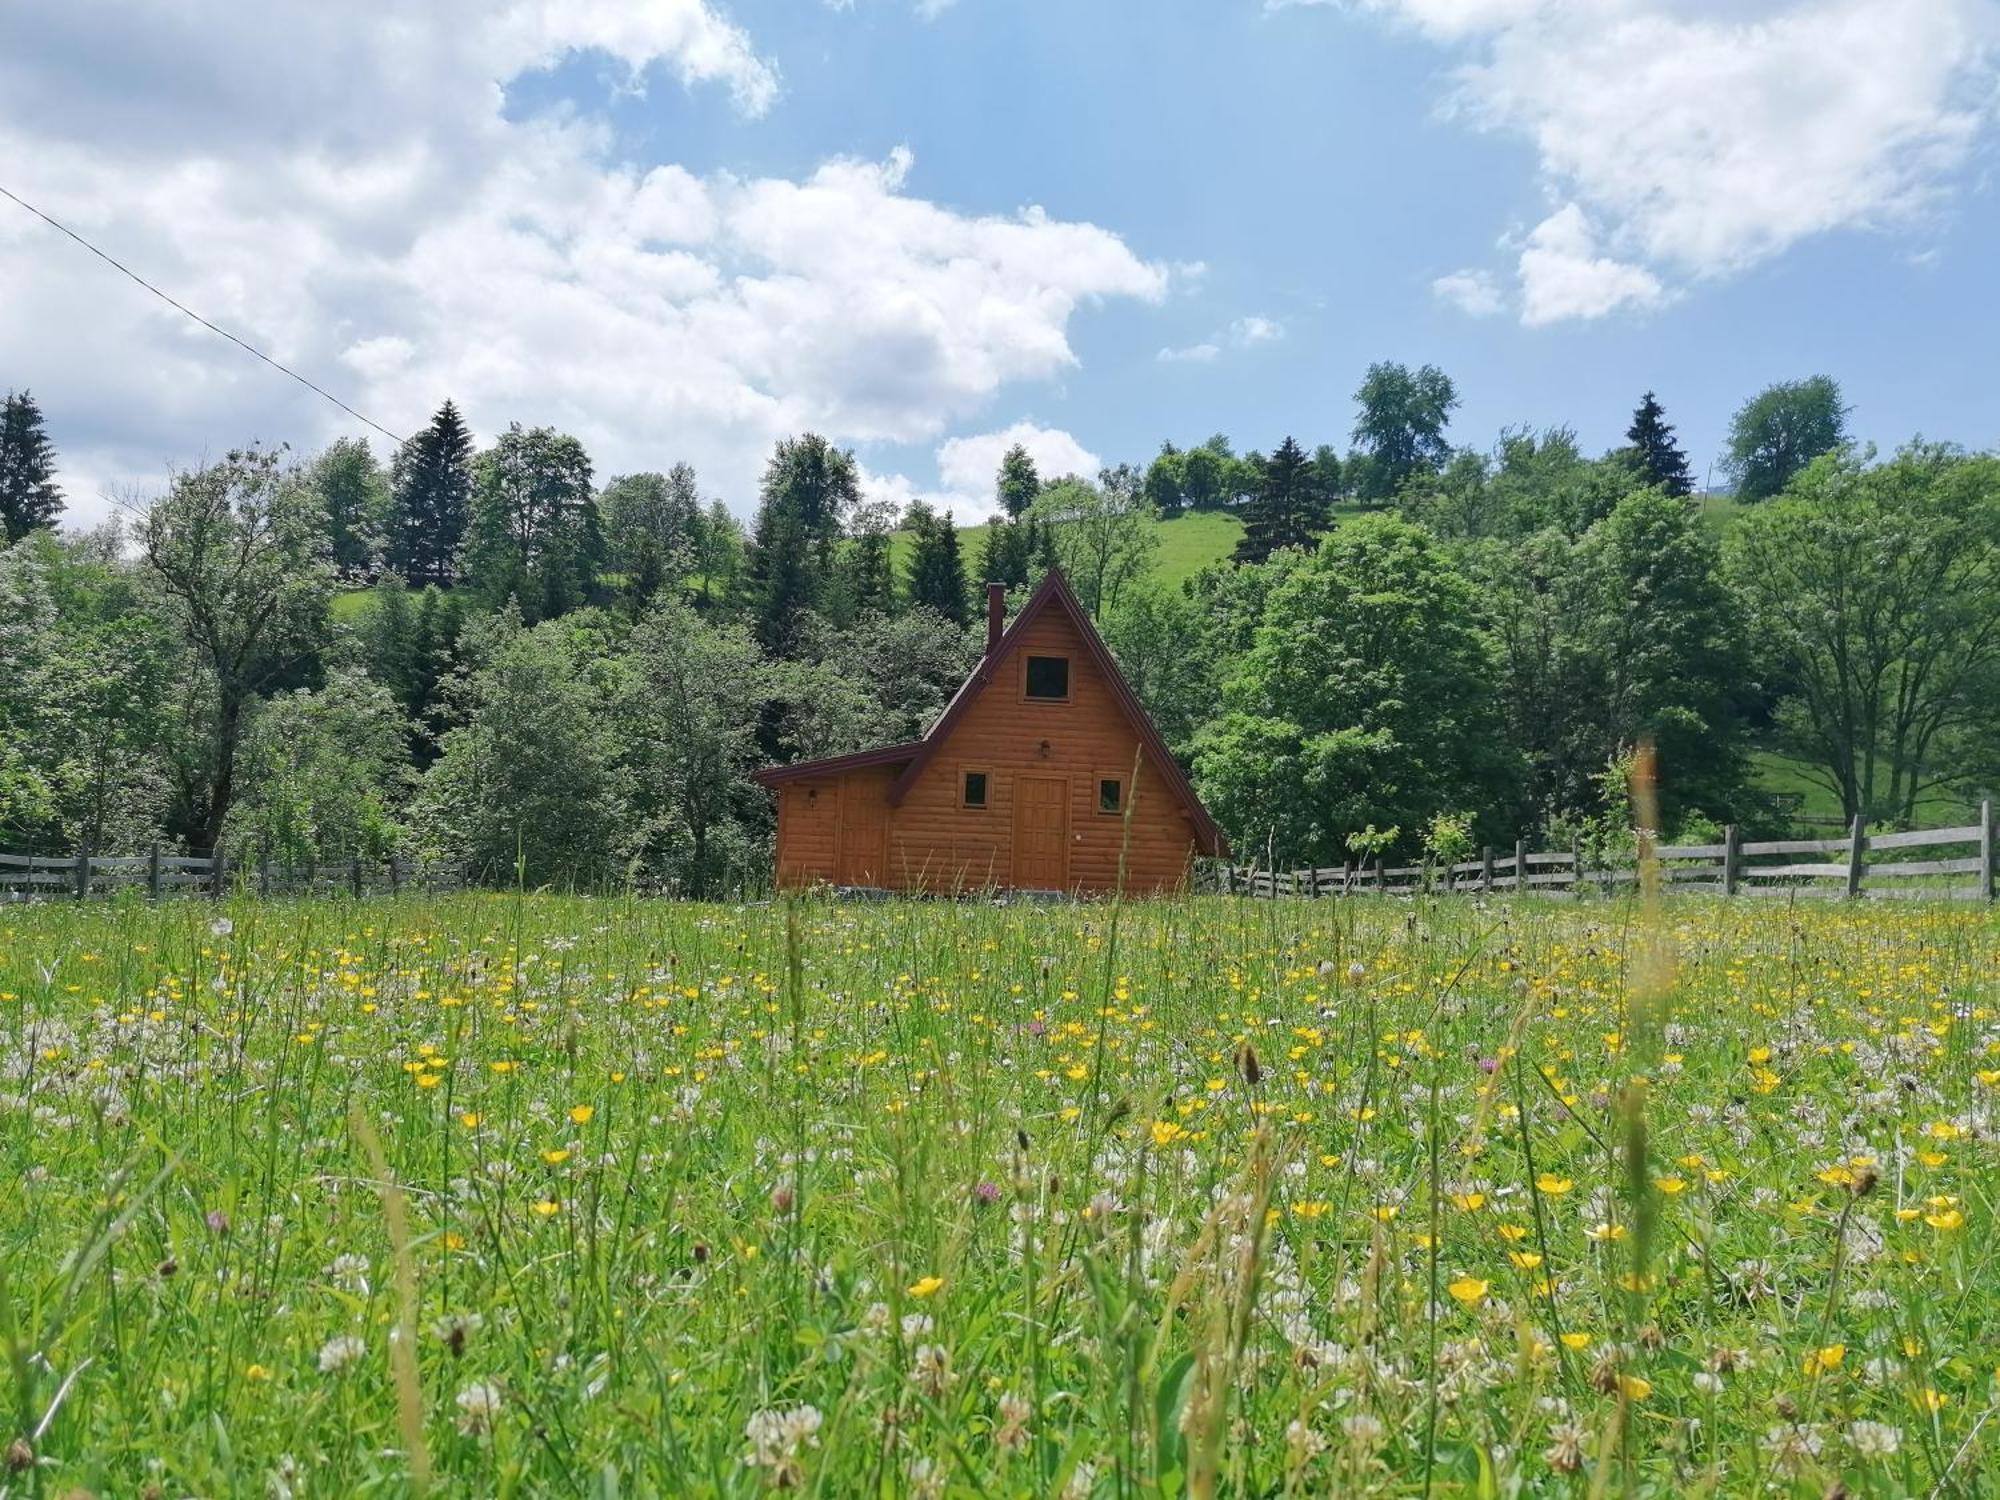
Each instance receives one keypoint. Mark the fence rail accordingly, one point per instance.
(31, 877)
(1770, 867)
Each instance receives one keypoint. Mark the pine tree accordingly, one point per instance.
(431, 500)
(1661, 461)
(1289, 508)
(810, 490)
(1017, 483)
(28, 494)
(937, 567)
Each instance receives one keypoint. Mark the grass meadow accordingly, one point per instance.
(503, 1195)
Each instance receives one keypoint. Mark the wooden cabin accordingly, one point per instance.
(1023, 783)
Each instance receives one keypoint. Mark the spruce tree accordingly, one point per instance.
(28, 494)
(937, 567)
(1289, 508)
(1661, 462)
(431, 500)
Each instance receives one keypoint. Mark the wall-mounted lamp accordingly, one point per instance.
(812, 795)
(1045, 749)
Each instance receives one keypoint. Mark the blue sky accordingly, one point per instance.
(681, 228)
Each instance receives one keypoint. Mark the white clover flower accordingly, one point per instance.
(478, 1404)
(337, 1353)
(1874, 1440)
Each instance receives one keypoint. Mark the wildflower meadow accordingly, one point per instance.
(494, 1195)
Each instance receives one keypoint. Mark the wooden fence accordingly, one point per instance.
(1844, 867)
(29, 877)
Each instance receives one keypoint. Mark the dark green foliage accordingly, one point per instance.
(1875, 590)
(1017, 483)
(1661, 462)
(1369, 695)
(535, 537)
(937, 565)
(1401, 426)
(810, 488)
(1781, 430)
(1166, 481)
(354, 493)
(431, 499)
(28, 494)
(1010, 553)
(239, 551)
(1290, 508)
(652, 529)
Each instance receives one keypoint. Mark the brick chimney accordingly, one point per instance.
(996, 615)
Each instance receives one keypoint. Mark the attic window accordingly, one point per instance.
(1110, 794)
(1048, 679)
(972, 791)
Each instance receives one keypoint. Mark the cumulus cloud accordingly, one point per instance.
(969, 465)
(1563, 275)
(347, 187)
(1701, 137)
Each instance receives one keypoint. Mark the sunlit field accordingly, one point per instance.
(493, 1195)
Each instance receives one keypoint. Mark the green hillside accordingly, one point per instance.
(1188, 544)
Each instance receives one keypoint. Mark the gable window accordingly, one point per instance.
(1047, 679)
(972, 787)
(1110, 795)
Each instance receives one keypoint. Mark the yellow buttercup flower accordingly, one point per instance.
(928, 1286)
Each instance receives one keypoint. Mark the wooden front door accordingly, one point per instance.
(1041, 833)
(864, 833)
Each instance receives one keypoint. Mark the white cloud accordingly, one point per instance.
(343, 186)
(967, 466)
(1706, 136)
(1243, 333)
(1253, 330)
(1563, 275)
(1474, 292)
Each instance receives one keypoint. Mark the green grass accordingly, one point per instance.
(563, 1196)
(1188, 543)
(1775, 772)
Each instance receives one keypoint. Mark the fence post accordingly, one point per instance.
(82, 870)
(1486, 869)
(1520, 866)
(218, 869)
(153, 872)
(354, 876)
(1986, 852)
(395, 877)
(264, 875)
(1576, 863)
(1732, 859)
(1857, 845)
(1381, 875)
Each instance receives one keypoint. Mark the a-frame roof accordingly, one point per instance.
(1054, 593)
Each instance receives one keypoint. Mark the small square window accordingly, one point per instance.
(974, 791)
(1110, 795)
(1048, 678)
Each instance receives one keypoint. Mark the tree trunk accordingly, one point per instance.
(222, 789)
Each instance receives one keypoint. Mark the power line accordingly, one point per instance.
(190, 312)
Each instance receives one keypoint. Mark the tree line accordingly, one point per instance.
(489, 656)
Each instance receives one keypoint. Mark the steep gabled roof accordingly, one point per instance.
(1053, 593)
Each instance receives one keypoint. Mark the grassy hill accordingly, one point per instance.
(1187, 545)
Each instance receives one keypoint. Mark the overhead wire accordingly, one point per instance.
(184, 309)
